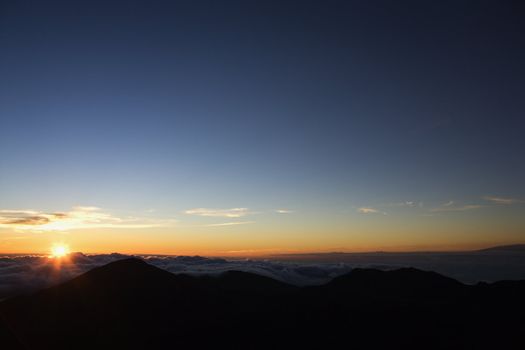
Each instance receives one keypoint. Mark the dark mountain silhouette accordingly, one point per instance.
(402, 280)
(513, 248)
(407, 283)
(130, 304)
(8, 339)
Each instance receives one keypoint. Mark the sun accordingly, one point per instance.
(59, 250)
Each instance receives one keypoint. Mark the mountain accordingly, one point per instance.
(129, 304)
(407, 283)
(402, 279)
(7, 338)
(513, 248)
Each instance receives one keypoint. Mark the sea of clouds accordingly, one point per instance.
(26, 274)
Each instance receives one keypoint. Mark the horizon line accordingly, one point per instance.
(335, 252)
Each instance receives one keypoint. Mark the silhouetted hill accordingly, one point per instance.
(404, 279)
(239, 281)
(408, 283)
(130, 304)
(8, 339)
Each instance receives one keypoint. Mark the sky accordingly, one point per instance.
(227, 128)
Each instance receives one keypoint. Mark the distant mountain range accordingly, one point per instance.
(491, 264)
(518, 248)
(130, 304)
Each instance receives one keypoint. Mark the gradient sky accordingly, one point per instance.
(254, 127)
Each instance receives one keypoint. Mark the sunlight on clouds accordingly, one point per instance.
(365, 210)
(80, 217)
(284, 211)
(231, 223)
(225, 213)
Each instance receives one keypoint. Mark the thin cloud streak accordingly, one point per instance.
(224, 213)
(231, 223)
(503, 200)
(404, 204)
(284, 211)
(449, 207)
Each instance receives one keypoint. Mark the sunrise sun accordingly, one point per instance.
(59, 250)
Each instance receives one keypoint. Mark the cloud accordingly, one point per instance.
(365, 210)
(25, 274)
(231, 223)
(22, 218)
(450, 207)
(81, 208)
(30, 218)
(405, 204)
(284, 211)
(80, 217)
(223, 213)
(502, 200)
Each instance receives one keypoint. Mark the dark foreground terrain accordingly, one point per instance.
(129, 304)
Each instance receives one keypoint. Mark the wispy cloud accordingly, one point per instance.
(284, 211)
(451, 206)
(223, 213)
(87, 208)
(231, 223)
(405, 204)
(81, 217)
(503, 200)
(367, 210)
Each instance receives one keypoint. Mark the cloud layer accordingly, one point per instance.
(24, 274)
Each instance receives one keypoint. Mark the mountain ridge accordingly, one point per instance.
(130, 304)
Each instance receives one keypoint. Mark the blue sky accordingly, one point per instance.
(320, 108)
